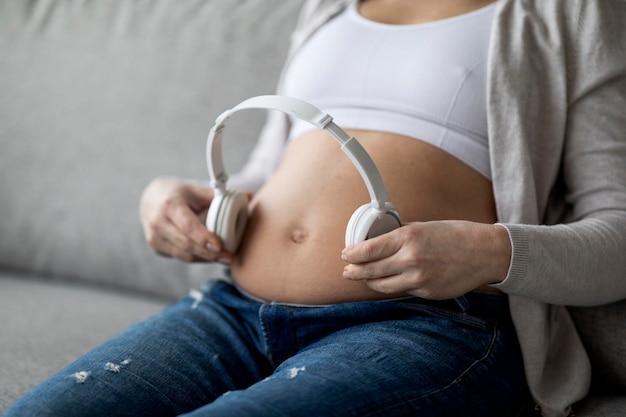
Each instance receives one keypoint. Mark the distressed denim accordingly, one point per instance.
(219, 352)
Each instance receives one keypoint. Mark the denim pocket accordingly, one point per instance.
(447, 310)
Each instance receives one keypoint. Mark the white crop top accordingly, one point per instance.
(425, 81)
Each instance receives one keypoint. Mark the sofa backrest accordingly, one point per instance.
(99, 97)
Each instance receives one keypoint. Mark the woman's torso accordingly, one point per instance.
(292, 247)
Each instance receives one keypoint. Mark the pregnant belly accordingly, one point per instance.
(292, 247)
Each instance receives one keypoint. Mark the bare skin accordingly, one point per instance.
(299, 217)
(406, 12)
(293, 250)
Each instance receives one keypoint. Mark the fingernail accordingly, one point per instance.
(212, 247)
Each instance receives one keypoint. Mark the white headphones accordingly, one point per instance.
(228, 213)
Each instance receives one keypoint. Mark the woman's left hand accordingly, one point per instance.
(435, 260)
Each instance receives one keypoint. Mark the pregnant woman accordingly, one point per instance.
(502, 145)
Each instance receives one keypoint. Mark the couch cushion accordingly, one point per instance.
(601, 406)
(98, 98)
(45, 327)
(603, 333)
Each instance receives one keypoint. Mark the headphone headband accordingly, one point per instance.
(308, 113)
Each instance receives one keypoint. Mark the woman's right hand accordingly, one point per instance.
(173, 214)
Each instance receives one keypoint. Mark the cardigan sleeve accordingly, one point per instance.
(581, 259)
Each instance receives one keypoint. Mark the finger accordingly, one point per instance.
(164, 247)
(396, 284)
(172, 250)
(185, 256)
(223, 258)
(382, 268)
(373, 249)
(175, 243)
(190, 227)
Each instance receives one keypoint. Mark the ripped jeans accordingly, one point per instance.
(221, 353)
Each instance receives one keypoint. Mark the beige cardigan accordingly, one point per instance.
(557, 132)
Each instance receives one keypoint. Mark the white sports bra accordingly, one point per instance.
(425, 81)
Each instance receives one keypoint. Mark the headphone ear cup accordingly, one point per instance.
(366, 223)
(227, 218)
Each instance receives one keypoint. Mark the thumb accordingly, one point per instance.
(374, 249)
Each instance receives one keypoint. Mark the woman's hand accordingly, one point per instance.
(173, 214)
(435, 260)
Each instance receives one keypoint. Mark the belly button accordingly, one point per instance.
(298, 236)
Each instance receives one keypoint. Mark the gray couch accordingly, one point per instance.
(96, 99)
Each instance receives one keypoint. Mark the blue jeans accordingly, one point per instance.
(221, 353)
